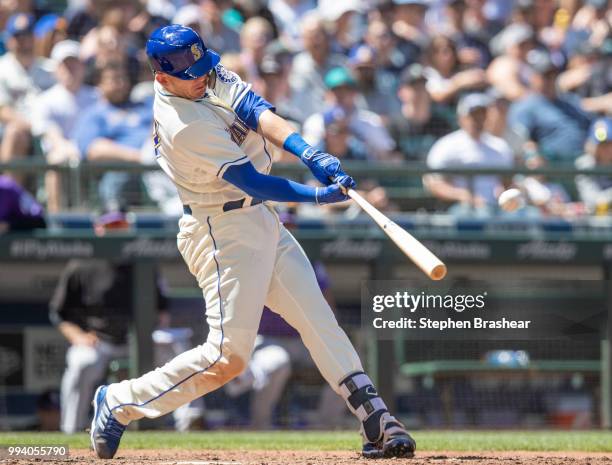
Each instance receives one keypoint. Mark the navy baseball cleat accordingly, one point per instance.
(395, 442)
(106, 431)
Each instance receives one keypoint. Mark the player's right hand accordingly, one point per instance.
(345, 182)
(325, 167)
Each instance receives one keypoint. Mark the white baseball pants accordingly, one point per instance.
(243, 259)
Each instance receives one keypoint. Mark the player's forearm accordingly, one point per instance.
(274, 128)
(283, 190)
(267, 187)
(325, 167)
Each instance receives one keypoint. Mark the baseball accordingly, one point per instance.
(511, 200)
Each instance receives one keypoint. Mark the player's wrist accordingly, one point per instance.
(322, 195)
(297, 146)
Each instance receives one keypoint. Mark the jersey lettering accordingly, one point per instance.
(225, 75)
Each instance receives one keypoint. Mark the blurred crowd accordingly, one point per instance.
(449, 83)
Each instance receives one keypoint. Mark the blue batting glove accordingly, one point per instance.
(345, 182)
(325, 167)
(331, 194)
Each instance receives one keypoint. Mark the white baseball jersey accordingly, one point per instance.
(191, 140)
(20, 87)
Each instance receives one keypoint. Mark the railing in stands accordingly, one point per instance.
(404, 177)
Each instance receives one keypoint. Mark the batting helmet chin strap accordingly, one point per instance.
(364, 402)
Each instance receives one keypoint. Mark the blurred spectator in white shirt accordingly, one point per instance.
(469, 147)
(23, 76)
(57, 111)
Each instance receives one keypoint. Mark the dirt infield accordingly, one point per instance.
(207, 457)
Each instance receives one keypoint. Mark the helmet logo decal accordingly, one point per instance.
(196, 51)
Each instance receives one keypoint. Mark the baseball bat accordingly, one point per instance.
(431, 265)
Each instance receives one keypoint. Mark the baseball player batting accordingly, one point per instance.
(211, 138)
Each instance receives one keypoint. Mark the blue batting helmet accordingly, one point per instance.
(180, 52)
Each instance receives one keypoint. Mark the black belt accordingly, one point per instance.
(228, 206)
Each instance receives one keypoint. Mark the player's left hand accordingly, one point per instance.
(331, 194)
(325, 167)
(336, 192)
